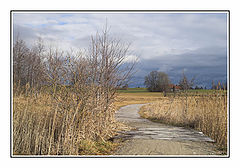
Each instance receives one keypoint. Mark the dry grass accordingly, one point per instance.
(63, 99)
(43, 125)
(124, 99)
(206, 113)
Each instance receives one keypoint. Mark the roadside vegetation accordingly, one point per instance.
(206, 113)
(63, 100)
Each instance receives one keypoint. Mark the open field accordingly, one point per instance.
(136, 96)
(142, 95)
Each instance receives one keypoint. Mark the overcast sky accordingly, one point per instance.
(167, 42)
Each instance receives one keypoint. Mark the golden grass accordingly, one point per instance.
(44, 126)
(124, 99)
(206, 113)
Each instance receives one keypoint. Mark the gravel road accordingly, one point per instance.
(150, 138)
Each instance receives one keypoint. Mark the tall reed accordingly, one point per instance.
(204, 112)
(43, 125)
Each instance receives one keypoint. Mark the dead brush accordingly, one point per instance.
(65, 99)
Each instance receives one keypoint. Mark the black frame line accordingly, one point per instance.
(118, 156)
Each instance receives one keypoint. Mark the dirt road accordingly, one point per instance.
(150, 138)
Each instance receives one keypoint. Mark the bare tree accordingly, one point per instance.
(27, 63)
(20, 52)
(185, 83)
(106, 57)
(157, 82)
(80, 85)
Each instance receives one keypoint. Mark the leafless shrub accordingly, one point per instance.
(28, 64)
(75, 100)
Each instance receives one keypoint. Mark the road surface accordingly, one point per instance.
(151, 138)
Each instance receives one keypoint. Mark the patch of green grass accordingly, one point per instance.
(141, 90)
(133, 90)
(202, 90)
(88, 147)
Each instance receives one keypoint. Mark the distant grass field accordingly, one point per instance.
(133, 90)
(144, 90)
(142, 95)
(136, 96)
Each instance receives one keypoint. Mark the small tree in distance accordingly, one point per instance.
(157, 82)
(185, 83)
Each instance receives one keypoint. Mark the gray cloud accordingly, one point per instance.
(206, 64)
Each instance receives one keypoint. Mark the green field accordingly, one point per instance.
(142, 90)
(133, 90)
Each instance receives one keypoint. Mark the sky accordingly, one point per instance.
(195, 43)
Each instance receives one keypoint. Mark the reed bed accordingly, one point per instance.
(43, 125)
(203, 112)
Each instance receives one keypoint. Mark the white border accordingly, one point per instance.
(122, 12)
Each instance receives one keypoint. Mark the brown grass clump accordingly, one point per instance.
(206, 113)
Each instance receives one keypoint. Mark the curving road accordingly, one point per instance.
(150, 138)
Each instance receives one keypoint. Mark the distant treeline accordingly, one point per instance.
(159, 82)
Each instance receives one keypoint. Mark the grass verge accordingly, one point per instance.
(204, 113)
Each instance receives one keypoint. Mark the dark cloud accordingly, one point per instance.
(206, 64)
